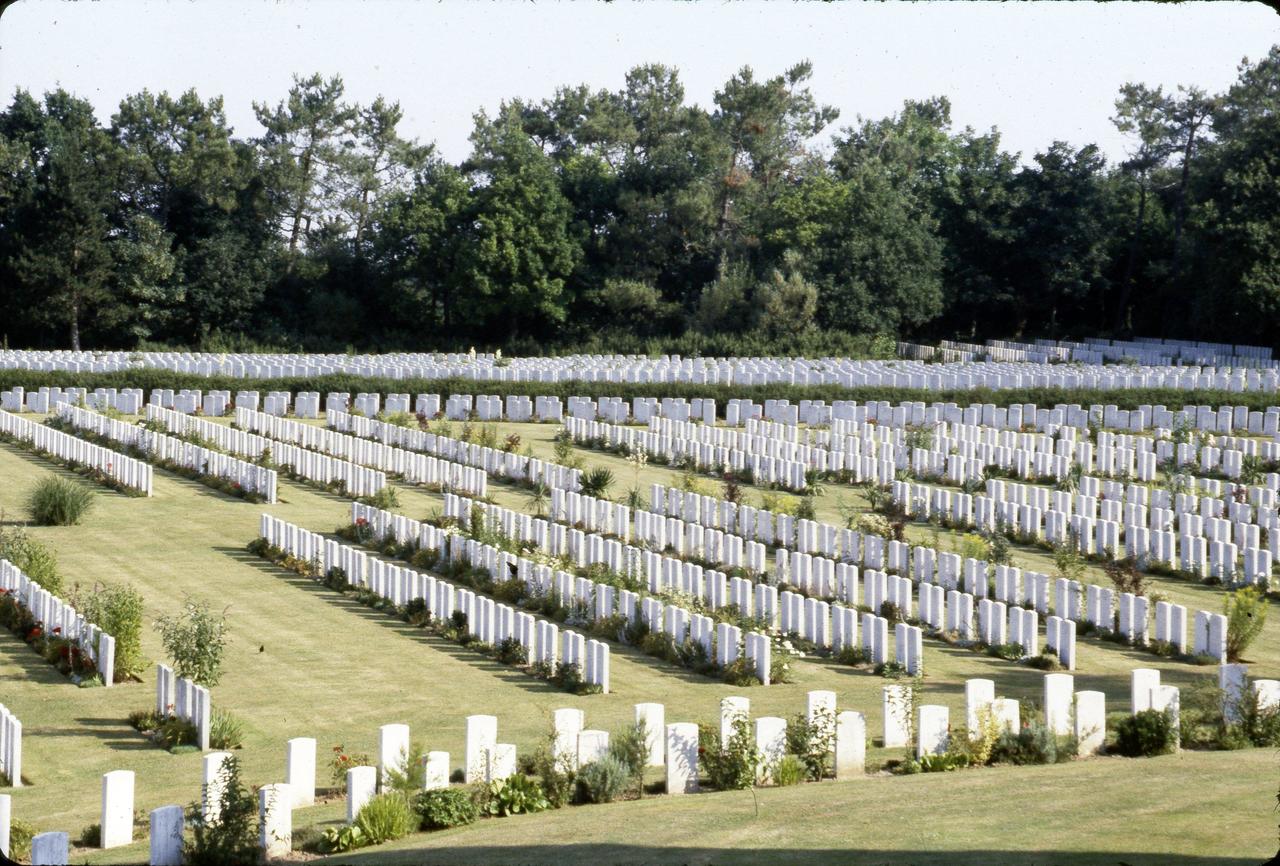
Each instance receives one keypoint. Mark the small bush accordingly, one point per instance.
(603, 780)
(20, 835)
(732, 765)
(56, 501)
(514, 795)
(790, 770)
(195, 640)
(117, 610)
(410, 773)
(1033, 744)
(444, 808)
(225, 730)
(230, 837)
(386, 817)
(174, 732)
(337, 840)
(1145, 734)
(90, 837)
(34, 559)
(1246, 611)
(596, 482)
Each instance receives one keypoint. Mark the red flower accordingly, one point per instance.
(57, 629)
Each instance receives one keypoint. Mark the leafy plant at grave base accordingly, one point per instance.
(116, 608)
(779, 669)
(890, 670)
(602, 780)
(1009, 651)
(510, 651)
(444, 808)
(1144, 734)
(30, 556)
(225, 730)
(195, 640)
(1032, 744)
(790, 770)
(416, 612)
(853, 656)
(630, 746)
(387, 498)
(1258, 723)
(409, 775)
(145, 721)
(20, 835)
(229, 835)
(386, 817)
(90, 837)
(731, 765)
(174, 732)
(1126, 577)
(56, 501)
(812, 742)
(514, 795)
(1067, 559)
(538, 496)
(739, 672)
(425, 558)
(337, 840)
(556, 775)
(943, 763)
(340, 760)
(976, 748)
(1246, 611)
(596, 482)
(1044, 661)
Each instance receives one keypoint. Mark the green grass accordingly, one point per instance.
(304, 661)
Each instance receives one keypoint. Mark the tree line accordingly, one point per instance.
(633, 220)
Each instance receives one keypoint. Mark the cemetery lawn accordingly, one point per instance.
(305, 661)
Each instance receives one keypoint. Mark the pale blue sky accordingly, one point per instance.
(1038, 71)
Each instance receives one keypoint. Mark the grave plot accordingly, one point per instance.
(103, 464)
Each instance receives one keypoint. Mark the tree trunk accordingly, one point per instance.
(1126, 285)
(75, 323)
(1180, 212)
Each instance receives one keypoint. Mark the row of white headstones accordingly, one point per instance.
(671, 746)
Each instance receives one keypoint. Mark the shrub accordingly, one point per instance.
(343, 761)
(410, 773)
(56, 501)
(630, 746)
(444, 808)
(173, 732)
(1033, 744)
(387, 498)
(603, 780)
(337, 840)
(225, 730)
(1246, 611)
(513, 795)
(729, 765)
(90, 837)
(117, 610)
(34, 559)
(194, 640)
(1144, 734)
(20, 835)
(596, 482)
(386, 817)
(790, 770)
(230, 836)
(812, 743)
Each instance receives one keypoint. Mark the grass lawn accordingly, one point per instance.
(305, 661)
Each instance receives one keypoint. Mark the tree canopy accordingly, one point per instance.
(631, 220)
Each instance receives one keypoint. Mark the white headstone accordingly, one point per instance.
(1091, 721)
(117, 808)
(931, 737)
(212, 784)
(653, 718)
(851, 745)
(300, 770)
(49, 849)
(166, 836)
(393, 750)
(435, 771)
(682, 758)
(897, 715)
(275, 820)
(362, 784)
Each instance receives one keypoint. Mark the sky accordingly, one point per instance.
(1039, 71)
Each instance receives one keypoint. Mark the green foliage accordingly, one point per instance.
(812, 742)
(409, 773)
(230, 835)
(1032, 744)
(20, 835)
(603, 780)
(597, 481)
(1144, 734)
(34, 559)
(731, 765)
(386, 817)
(630, 747)
(444, 808)
(790, 770)
(1246, 611)
(57, 501)
(195, 640)
(225, 730)
(117, 610)
(514, 795)
(348, 837)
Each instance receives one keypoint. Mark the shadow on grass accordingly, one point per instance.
(588, 853)
(385, 620)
